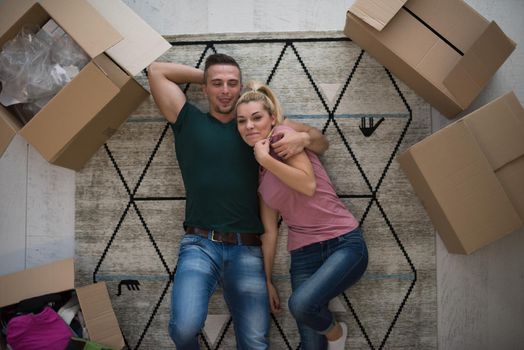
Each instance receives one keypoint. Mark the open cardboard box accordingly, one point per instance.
(443, 49)
(101, 322)
(90, 109)
(469, 175)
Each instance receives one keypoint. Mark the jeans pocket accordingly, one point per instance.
(354, 239)
(254, 250)
(352, 236)
(190, 239)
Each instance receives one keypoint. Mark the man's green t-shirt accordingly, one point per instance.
(220, 173)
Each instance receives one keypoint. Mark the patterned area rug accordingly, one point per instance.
(130, 196)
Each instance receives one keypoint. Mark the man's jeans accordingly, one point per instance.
(320, 272)
(239, 270)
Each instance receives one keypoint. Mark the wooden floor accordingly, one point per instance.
(480, 297)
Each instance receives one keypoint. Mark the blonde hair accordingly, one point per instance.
(257, 91)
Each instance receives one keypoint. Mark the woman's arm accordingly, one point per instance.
(269, 219)
(296, 171)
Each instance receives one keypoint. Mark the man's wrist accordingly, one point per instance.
(306, 139)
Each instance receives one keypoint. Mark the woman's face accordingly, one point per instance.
(254, 122)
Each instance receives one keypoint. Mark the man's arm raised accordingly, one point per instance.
(164, 78)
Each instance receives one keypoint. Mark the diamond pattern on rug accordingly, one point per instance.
(130, 197)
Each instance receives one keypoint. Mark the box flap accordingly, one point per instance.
(53, 278)
(6, 135)
(69, 111)
(454, 20)
(102, 127)
(436, 64)
(34, 16)
(85, 25)
(380, 45)
(511, 177)
(417, 46)
(376, 13)
(100, 318)
(498, 128)
(11, 11)
(8, 129)
(465, 187)
(474, 70)
(408, 164)
(141, 45)
(407, 39)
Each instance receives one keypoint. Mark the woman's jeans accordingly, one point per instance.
(320, 272)
(239, 270)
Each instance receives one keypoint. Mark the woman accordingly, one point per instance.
(328, 252)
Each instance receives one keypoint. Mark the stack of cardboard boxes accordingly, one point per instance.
(73, 125)
(470, 175)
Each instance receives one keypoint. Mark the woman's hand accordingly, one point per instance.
(274, 299)
(261, 150)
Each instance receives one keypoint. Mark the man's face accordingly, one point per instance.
(222, 88)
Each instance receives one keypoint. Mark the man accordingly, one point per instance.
(222, 241)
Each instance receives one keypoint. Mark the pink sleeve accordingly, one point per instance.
(282, 127)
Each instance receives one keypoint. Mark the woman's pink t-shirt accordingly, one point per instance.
(309, 219)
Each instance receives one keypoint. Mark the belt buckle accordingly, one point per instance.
(213, 237)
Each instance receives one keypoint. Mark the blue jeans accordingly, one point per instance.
(239, 270)
(320, 272)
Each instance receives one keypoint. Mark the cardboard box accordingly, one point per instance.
(95, 304)
(470, 175)
(444, 50)
(90, 109)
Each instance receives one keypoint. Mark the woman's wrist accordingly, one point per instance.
(264, 159)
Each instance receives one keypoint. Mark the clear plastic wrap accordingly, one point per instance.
(35, 66)
(22, 61)
(65, 52)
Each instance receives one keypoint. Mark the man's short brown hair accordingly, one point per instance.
(220, 58)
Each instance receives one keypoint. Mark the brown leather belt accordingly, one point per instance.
(226, 237)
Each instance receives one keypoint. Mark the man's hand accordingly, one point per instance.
(315, 142)
(274, 299)
(291, 143)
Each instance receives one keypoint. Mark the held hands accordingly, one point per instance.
(274, 299)
(291, 143)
